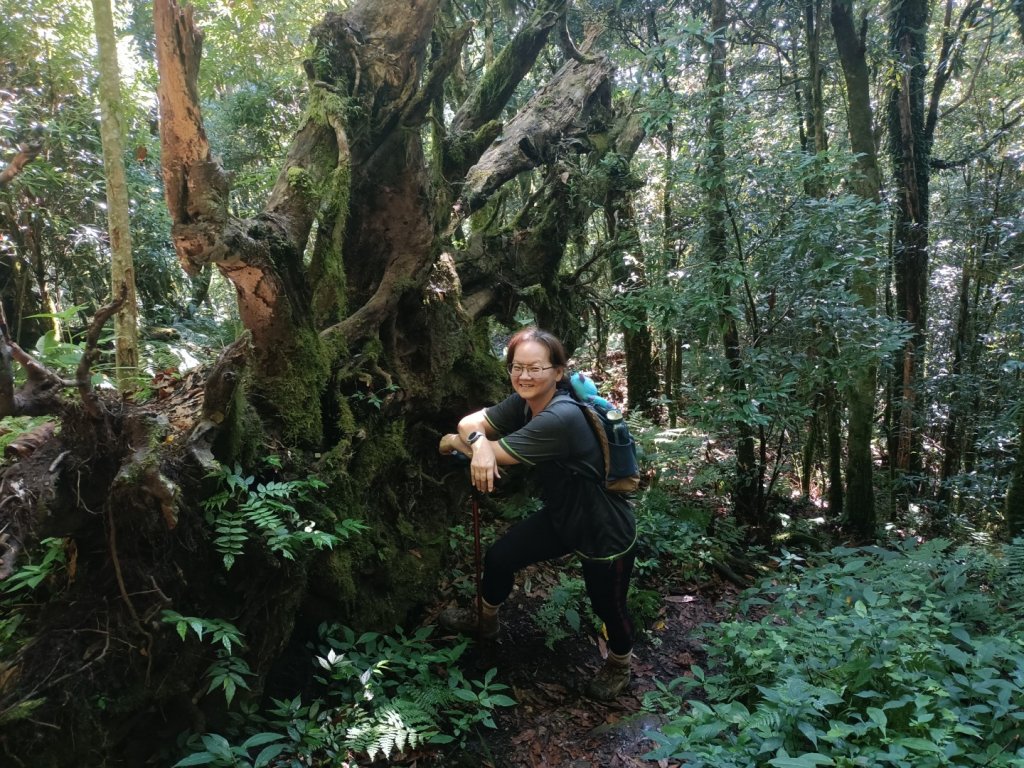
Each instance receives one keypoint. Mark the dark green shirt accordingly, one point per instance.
(560, 447)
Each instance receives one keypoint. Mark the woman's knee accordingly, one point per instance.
(499, 558)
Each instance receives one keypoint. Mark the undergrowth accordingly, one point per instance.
(245, 509)
(376, 696)
(911, 657)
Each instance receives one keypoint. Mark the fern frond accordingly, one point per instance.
(400, 725)
(433, 698)
(1014, 553)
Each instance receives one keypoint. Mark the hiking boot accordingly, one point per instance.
(611, 680)
(464, 620)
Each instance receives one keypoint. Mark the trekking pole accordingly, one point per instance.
(475, 496)
(476, 558)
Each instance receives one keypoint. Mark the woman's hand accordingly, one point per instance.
(483, 468)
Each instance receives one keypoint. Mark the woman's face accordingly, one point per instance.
(533, 376)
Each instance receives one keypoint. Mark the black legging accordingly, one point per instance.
(534, 540)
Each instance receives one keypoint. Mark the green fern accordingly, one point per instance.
(244, 510)
(1014, 553)
(391, 729)
(434, 698)
(380, 696)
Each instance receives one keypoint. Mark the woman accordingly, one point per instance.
(542, 427)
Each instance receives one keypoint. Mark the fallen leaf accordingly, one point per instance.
(679, 598)
(28, 442)
(527, 735)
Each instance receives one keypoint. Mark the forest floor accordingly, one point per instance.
(553, 724)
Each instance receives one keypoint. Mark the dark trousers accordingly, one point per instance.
(534, 540)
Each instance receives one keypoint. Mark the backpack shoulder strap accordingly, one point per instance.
(597, 427)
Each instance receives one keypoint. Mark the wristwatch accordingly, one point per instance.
(473, 437)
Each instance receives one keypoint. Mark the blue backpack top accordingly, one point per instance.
(622, 474)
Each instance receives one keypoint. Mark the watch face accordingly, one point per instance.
(473, 437)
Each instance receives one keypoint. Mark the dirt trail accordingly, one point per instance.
(554, 725)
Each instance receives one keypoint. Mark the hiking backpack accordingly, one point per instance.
(622, 474)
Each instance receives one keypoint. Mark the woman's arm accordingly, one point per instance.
(474, 422)
(487, 454)
(477, 422)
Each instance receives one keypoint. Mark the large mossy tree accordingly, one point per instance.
(366, 285)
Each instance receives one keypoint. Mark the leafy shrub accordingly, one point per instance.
(379, 695)
(30, 575)
(229, 671)
(43, 571)
(560, 614)
(911, 657)
(671, 536)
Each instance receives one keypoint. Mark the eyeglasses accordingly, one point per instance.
(534, 370)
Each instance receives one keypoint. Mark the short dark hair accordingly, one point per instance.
(556, 350)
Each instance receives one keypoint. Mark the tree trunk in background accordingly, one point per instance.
(746, 486)
(126, 323)
(670, 365)
(964, 398)
(627, 264)
(909, 148)
(952, 438)
(810, 452)
(672, 347)
(912, 124)
(641, 373)
(19, 300)
(816, 144)
(861, 516)
(1014, 508)
(834, 425)
(815, 119)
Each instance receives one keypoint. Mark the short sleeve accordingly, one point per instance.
(508, 415)
(546, 437)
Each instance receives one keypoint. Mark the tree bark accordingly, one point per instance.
(627, 268)
(831, 404)
(122, 269)
(909, 148)
(861, 516)
(912, 125)
(26, 154)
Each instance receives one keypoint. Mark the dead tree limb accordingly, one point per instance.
(83, 377)
(532, 137)
(26, 154)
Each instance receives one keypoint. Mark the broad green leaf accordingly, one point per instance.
(809, 760)
(199, 758)
(918, 744)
